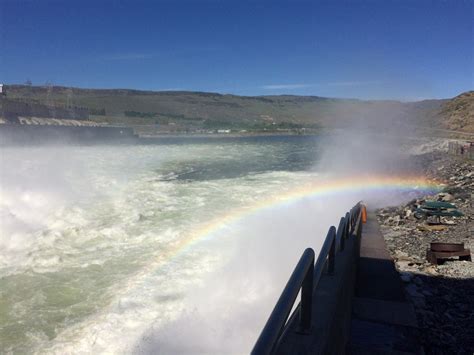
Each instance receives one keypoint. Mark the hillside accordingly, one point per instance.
(181, 110)
(458, 113)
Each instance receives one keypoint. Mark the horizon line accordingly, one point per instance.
(223, 93)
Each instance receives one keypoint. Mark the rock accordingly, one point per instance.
(433, 289)
(418, 281)
(397, 220)
(419, 301)
(408, 265)
(412, 290)
(430, 269)
(400, 255)
(431, 228)
(445, 197)
(406, 277)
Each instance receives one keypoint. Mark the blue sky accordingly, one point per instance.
(369, 49)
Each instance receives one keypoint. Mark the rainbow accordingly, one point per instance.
(313, 189)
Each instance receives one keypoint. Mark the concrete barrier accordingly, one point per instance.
(11, 109)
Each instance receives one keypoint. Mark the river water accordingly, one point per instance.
(152, 248)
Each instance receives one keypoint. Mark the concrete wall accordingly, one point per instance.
(12, 109)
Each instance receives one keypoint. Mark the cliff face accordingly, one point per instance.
(458, 114)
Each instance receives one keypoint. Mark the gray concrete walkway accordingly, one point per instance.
(383, 322)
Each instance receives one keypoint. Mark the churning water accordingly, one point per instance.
(152, 248)
(102, 245)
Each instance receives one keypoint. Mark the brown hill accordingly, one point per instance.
(458, 113)
(202, 110)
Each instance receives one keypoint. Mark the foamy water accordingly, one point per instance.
(108, 249)
(86, 234)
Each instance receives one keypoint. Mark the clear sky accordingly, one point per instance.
(374, 49)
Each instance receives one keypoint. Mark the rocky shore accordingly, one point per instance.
(443, 295)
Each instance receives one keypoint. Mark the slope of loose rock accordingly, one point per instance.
(443, 295)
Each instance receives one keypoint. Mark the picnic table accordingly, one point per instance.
(438, 209)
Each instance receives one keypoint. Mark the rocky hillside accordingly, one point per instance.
(201, 110)
(442, 295)
(458, 113)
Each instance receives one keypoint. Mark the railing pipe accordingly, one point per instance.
(351, 220)
(354, 217)
(306, 307)
(341, 234)
(306, 276)
(302, 277)
(323, 254)
(347, 218)
(332, 254)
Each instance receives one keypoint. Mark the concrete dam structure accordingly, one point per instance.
(11, 110)
(33, 123)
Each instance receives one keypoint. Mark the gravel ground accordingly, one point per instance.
(443, 295)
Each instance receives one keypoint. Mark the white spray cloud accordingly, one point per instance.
(227, 313)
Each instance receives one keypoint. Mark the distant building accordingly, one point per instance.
(2, 90)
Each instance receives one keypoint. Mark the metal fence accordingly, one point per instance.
(306, 276)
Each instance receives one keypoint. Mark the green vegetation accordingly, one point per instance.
(140, 114)
(97, 111)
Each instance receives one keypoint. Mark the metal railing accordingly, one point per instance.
(306, 276)
(301, 278)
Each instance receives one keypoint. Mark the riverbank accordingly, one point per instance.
(25, 135)
(443, 295)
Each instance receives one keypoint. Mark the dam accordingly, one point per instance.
(29, 122)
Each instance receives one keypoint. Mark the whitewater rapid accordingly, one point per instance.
(88, 258)
(163, 248)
